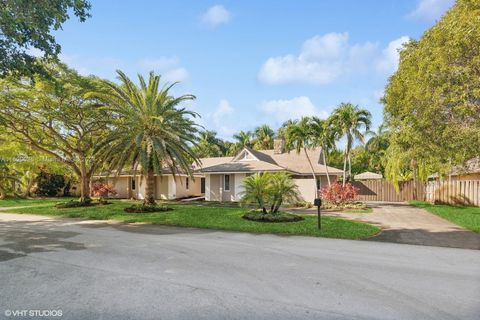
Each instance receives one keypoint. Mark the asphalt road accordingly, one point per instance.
(108, 271)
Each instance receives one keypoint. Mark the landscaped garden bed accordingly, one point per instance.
(142, 208)
(259, 216)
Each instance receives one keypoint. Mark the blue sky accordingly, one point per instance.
(253, 62)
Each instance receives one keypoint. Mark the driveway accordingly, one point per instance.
(92, 270)
(403, 223)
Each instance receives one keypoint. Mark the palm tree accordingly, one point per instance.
(257, 190)
(149, 129)
(264, 137)
(298, 136)
(322, 136)
(244, 139)
(284, 190)
(347, 120)
(209, 145)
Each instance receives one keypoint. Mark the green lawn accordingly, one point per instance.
(17, 202)
(201, 216)
(467, 217)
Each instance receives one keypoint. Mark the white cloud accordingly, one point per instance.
(168, 67)
(223, 110)
(295, 108)
(216, 15)
(389, 58)
(430, 10)
(326, 59)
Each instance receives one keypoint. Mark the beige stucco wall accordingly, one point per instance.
(306, 188)
(212, 186)
(230, 194)
(121, 185)
(181, 187)
(161, 187)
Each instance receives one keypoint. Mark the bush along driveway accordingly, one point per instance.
(211, 218)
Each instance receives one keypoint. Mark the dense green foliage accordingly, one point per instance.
(467, 217)
(50, 184)
(269, 190)
(26, 24)
(432, 104)
(208, 217)
(56, 117)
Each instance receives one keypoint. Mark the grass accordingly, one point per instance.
(201, 216)
(467, 217)
(17, 202)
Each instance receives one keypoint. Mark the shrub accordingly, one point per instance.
(75, 204)
(102, 190)
(143, 208)
(270, 190)
(49, 184)
(271, 217)
(338, 194)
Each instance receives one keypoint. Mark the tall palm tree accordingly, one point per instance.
(322, 136)
(298, 136)
(149, 129)
(264, 137)
(244, 138)
(347, 120)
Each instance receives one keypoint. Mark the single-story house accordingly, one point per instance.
(368, 176)
(470, 170)
(224, 176)
(131, 184)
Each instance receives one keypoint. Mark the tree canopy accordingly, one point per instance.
(26, 24)
(432, 102)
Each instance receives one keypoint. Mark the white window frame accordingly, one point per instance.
(224, 182)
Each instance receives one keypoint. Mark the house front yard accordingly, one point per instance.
(467, 217)
(204, 216)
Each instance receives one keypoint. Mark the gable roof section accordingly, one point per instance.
(368, 176)
(267, 160)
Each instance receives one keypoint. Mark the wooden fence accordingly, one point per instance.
(382, 190)
(454, 192)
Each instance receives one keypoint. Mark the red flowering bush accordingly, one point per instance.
(338, 194)
(100, 189)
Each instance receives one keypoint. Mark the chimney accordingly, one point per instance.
(278, 146)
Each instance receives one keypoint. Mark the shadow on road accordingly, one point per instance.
(20, 240)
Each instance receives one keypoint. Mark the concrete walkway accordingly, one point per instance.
(403, 223)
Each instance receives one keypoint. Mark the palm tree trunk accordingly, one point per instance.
(326, 167)
(344, 168)
(349, 166)
(150, 188)
(313, 172)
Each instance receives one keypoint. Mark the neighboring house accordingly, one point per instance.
(132, 185)
(470, 170)
(224, 176)
(367, 176)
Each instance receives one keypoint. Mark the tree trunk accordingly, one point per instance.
(344, 168)
(84, 180)
(326, 167)
(313, 172)
(150, 188)
(349, 166)
(414, 166)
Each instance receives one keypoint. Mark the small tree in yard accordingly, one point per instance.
(270, 190)
(102, 190)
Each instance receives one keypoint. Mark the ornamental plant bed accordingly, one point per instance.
(259, 216)
(140, 208)
(78, 204)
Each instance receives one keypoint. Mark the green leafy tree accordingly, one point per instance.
(55, 116)
(8, 181)
(150, 129)
(432, 105)
(26, 24)
(347, 120)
